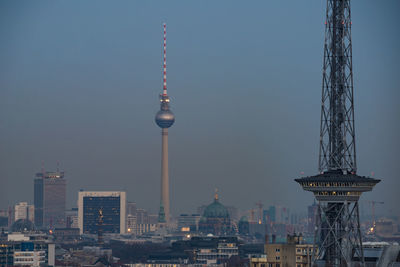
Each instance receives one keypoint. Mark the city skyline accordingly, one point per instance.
(250, 127)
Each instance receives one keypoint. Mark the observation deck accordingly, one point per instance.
(336, 186)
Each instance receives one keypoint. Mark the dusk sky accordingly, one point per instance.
(79, 84)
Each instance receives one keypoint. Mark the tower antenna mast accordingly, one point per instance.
(165, 61)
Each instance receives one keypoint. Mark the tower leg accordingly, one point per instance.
(337, 239)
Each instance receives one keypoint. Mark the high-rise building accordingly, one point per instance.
(24, 211)
(112, 205)
(164, 119)
(50, 199)
(337, 187)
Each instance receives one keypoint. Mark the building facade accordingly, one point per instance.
(188, 222)
(27, 253)
(50, 199)
(292, 253)
(24, 211)
(113, 207)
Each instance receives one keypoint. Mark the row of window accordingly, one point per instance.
(339, 193)
(335, 184)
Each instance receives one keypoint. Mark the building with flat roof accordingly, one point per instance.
(113, 207)
(50, 199)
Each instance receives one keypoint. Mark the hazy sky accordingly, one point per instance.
(79, 83)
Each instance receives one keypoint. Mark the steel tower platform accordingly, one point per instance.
(337, 187)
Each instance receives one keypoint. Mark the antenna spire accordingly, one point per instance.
(165, 60)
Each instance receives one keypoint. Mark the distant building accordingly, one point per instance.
(24, 250)
(269, 215)
(216, 256)
(131, 224)
(312, 212)
(131, 208)
(292, 253)
(142, 216)
(142, 228)
(71, 218)
(66, 234)
(113, 206)
(188, 223)
(50, 199)
(152, 218)
(215, 219)
(244, 226)
(24, 211)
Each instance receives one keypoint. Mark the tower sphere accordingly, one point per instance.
(165, 118)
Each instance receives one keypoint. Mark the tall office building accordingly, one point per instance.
(24, 211)
(164, 119)
(50, 199)
(113, 207)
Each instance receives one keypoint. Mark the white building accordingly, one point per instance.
(211, 257)
(112, 206)
(29, 258)
(24, 211)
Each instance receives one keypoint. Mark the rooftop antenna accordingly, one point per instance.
(58, 166)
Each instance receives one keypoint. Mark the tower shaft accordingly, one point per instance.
(165, 174)
(337, 135)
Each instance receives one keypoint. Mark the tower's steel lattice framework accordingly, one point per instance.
(337, 188)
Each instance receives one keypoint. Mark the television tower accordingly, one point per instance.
(164, 119)
(337, 187)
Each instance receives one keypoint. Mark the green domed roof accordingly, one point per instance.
(216, 210)
(23, 225)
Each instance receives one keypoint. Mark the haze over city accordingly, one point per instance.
(80, 84)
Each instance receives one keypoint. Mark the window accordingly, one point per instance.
(278, 258)
(277, 250)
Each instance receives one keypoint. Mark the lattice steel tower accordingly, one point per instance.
(337, 188)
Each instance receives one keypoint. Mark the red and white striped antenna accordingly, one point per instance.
(165, 60)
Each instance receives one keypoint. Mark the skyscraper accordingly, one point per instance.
(337, 187)
(164, 119)
(50, 199)
(112, 205)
